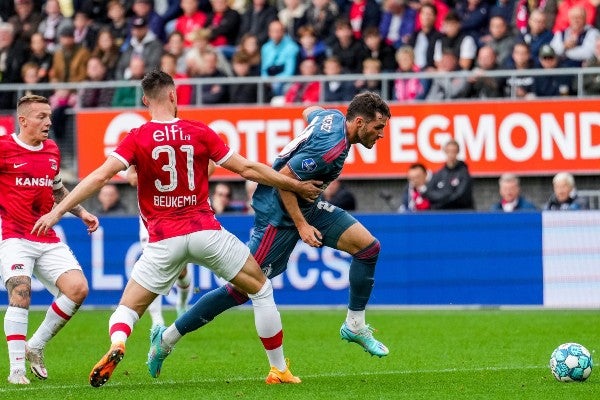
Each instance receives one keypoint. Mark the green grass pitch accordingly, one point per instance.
(434, 354)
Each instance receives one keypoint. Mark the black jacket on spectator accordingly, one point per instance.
(338, 92)
(432, 37)
(451, 188)
(229, 26)
(258, 23)
(15, 58)
(387, 55)
(351, 57)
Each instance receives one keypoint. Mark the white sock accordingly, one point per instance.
(268, 325)
(355, 320)
(57, 315)
(183, 290)
(15, 329)
(121, 323)
(171, 336)
(155, 311)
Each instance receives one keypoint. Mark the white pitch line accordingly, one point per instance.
(45, 387)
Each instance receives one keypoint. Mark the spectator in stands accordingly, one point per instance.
(363, 14)
(175, 47)
(397, 23)
(521, 86)
(575, 43)
(118, 22)
(102, 94)
(194, 57)
(565, 195)
(222, 200)
(591, 82)
(510, 195)
(25, 21)
(249, 47)
(482, 86)
(451, 187)
(257, 20)
(212, 93)
(379, 49)
(130, 96)
(406, 89)
(109, 198)
(145, 9)
(39, 55)
(335, 91)
(423, 40)
(370, 71)
(293, 16)
(461, 44)
(52, 22)
(168, 64)
(474, 17)
(242, 93)
(191, 20)
(501, 39)
(30, 76)
(552, 85)
(337, 194)
(69, 63)
(413, 195)
(142, 44)
(310, 46)
(107, 51)
(303, 92)
(322, 16)
(224, 24)
(506, 9)
(524, 9)
(346, 48)
(279, 56)
(13, 53)
(563, 18)
(95, 9)
(444, 88)
(61, 101)
(441, 10)
(536, 35)
(86, 31)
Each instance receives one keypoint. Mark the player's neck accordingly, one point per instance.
(161, 114)
(28, 140)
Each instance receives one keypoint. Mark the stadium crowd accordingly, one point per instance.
(102, 40)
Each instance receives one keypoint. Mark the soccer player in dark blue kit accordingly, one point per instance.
(281, 218)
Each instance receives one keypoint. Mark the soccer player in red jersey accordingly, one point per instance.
(29, 168)
(171, 156)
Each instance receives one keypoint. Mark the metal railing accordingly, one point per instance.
(386, 79)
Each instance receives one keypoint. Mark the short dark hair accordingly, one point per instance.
(154, 82)
(30, 99)
(367, 105)
(418, 166)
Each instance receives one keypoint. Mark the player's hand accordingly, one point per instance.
(310, 235)
(90, 220)
(45, 222)
(310, 190)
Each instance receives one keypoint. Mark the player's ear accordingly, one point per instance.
(145, 101)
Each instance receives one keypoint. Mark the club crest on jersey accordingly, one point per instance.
(53, 164)
(309, 165)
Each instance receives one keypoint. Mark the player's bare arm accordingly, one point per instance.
(89, 219)
(84, 190)
(261, 173)
(309, 110)
(308, 233)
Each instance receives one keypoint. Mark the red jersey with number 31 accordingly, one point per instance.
(172, 159)
(28, 176)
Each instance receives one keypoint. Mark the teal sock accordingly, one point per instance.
(362, 272)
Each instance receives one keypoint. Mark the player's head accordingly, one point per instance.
(367, 115)
(159, 88)
(33, 113)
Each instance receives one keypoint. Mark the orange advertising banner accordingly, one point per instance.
(528, 138)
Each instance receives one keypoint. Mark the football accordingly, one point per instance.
(571, 362)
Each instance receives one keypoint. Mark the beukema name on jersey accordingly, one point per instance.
(175, 201)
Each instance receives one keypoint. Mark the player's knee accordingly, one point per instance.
(78, 291)
(369, 253)
(264, 292)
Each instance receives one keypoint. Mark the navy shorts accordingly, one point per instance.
(272, 246)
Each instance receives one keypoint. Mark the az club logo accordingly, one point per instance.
(309, 165)
(15, 267)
